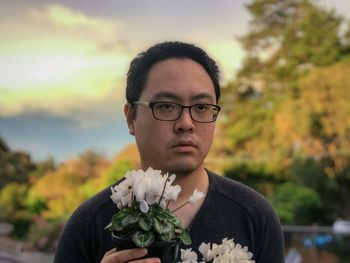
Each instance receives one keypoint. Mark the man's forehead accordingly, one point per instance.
(173, 95)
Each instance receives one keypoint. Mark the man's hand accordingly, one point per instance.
(128, 255)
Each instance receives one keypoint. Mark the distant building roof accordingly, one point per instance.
(3, 146)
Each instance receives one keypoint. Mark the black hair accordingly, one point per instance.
(141, 65)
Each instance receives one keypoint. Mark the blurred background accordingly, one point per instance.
(284, 129)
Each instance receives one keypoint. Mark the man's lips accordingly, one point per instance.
(184, 143)
(184, 146)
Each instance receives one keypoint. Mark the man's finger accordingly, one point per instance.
(109, 252)
(126, 255)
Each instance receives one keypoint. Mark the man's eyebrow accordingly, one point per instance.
(172, 96)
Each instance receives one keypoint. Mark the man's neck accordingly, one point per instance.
(197, 179)
(188, 183)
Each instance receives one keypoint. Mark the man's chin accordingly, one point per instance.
(184, 168)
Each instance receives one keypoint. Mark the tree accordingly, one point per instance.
(297, 204)
(13, 207)
(12, 200)
(41, 168)
(58, 193)
(14, 167)
(289, 104)
(283, 41)
(282, 47)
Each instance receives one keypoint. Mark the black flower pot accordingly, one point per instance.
(166, 251)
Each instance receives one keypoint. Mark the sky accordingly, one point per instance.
(63, 64)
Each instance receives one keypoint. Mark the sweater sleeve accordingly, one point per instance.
(74, 245)
(84, 238)
(260, 227)
(270, 240)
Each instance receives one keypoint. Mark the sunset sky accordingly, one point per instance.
(63, 64)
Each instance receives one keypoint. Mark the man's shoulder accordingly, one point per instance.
(98, 206)
(239, 194)
(232, 188)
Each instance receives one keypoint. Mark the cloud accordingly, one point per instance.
(63, 63)
(61, 84)
(65, 17)
(88, 111)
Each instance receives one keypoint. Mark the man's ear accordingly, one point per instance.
(129, 112)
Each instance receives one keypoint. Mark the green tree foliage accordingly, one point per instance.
(282, 40)
(58, 193)
(41, 168)
(330, 181)
(13, 207)
(285, 115)
(13, 200)
(117, 170)
(14, 167)
(297, 204)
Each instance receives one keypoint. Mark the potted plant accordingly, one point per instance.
(143, 219)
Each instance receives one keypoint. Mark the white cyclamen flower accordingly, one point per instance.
(123, 189)
(144, 208)
(195, 196)
(171, 192)
(188, 256)
(242, 254)
(156, 188)
(126, 200)
(206, 252)
(149, 186)
(226, 252)
(114, 196)
(226, 258)
(221, 249)
(152, 185)
(228, 243)
(170, 179)
(141, 185)
(119, 192)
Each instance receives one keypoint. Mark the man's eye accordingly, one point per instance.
(201, 107)
(165, 106)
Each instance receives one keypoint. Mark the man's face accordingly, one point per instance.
(178, 146)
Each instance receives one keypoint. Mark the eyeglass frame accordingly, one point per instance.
(153, 103)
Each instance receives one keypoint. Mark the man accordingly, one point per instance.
(172, 95)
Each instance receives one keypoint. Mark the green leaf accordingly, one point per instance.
(145, 222)
(143, 239)
(166, 236)
(172, 218)
(120, 216)
(109, 226)
(130, 219)
(162, 227)
(116, 224)
(185, 237)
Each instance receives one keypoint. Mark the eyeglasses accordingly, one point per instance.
(170, 111)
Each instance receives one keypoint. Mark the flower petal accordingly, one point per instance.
(144, 206)
(195, 196)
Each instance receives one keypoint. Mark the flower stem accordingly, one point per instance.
(180, 207)
(161, 197)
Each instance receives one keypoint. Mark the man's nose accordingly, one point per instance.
(185, 122)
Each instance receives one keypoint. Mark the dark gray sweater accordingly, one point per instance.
(230, 210)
